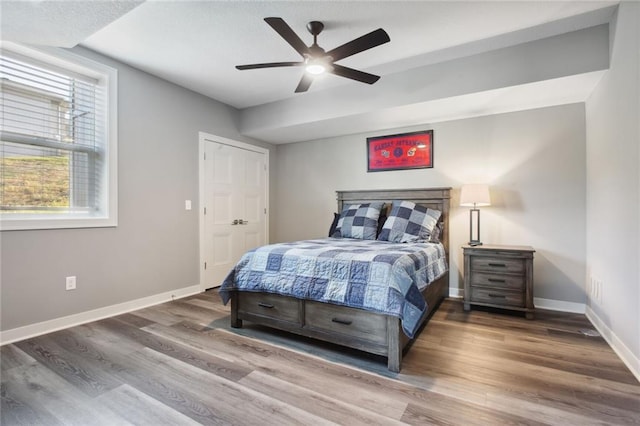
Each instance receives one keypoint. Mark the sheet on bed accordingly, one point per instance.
(372, 275)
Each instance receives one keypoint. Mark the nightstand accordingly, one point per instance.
(499, 277)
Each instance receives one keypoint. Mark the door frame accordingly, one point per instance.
(203, 138)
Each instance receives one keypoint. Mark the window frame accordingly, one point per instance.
(108, 78)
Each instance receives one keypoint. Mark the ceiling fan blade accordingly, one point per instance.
(287, 33)
(269, 65)
(354, 74)
(367, 41)
(304, 84)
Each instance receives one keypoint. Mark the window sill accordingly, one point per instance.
(55, 222)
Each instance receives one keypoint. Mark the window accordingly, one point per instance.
(58, 140)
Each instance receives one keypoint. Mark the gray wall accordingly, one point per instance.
(154, 249)
(534, 162)
(613, 184)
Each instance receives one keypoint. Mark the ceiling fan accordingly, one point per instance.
(316, 60)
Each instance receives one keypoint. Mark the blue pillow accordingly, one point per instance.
(409, 223)
(359, 221)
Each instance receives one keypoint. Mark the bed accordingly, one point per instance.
(359, 322)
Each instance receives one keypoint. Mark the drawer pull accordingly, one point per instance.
(341, 321)
(496, 280)
(501, 296)
(501, 265)
(265, 305)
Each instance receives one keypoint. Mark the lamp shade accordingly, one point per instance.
(475, 195)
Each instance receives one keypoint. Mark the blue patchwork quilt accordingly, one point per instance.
(372, 275)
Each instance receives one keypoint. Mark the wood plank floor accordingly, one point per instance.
(179, 363)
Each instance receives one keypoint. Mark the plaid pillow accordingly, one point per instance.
(409, 223)
(359, 221)
(436, 233)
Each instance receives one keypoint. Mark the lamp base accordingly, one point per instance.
(474, 227)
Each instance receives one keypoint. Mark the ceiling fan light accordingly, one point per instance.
(315, 68)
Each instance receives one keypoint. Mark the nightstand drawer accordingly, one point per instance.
(500, 281)
(497, 297)
(497, 264)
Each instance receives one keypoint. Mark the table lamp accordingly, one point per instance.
(474, 195)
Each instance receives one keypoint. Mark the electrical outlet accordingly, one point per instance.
(599, 291)
(595, 290)
(70, 283)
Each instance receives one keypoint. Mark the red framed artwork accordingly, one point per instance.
(400, 152)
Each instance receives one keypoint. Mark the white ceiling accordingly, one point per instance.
(197, 44)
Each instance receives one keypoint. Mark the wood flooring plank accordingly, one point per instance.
(157, 314)
(196, 312)
(445, 414)
(214, 305)
(321, 404)
(180, 310)
(63, 401)
(561, 361)
(231, 402)
(11, 357)
(514, 363)
(16, 408)
(68, 365)
(551, 388)
(533, 409)
(148, 376)
(141, 409)
(132, 319)
(99, 333)
(182, 352)
(568, 361)
(149, 372)
(512, 325)
(144, 374)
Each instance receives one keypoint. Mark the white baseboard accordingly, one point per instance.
(456, 292)
(538, 302)
(625, 354)
(559, 305)
(33, 330)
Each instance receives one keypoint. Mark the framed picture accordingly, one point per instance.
(400, 152)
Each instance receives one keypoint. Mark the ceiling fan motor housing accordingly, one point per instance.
(315, 27)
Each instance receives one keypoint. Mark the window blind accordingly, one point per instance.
(52, 138)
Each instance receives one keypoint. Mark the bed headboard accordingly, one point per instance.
(435, 198)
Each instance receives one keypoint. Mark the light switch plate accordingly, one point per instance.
(187, 204)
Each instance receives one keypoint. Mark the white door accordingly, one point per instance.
(234, 205)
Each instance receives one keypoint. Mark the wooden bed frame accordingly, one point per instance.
(356, 328)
